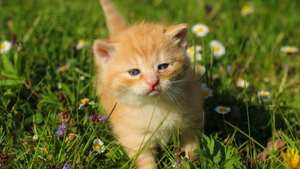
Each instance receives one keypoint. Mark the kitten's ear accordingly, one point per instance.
(104, 50)
(178, 33)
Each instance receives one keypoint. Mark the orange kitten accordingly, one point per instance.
(144, 69)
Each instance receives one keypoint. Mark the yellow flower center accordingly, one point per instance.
(222, 108)
(2, 46)
(63, 68)
(288, 49)
(200, 69)
(85, 101)
(81, 41)
(216, 48)
(263, 95)
(199, 29)
(205, 93)
(191, 49)
(192, 57)
(246, 8)
(97, 146)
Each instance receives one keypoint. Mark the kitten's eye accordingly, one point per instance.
(163, 66)
(134, 72)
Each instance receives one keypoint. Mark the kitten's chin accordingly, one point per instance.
(153, 92)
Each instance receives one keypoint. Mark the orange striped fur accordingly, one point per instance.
(170, 96)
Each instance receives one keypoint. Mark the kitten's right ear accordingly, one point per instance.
(104, 50)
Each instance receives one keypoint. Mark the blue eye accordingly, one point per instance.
(134, 72)
(163, 66)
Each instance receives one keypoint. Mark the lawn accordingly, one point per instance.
(44, 123)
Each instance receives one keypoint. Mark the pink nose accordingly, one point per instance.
(152, 82)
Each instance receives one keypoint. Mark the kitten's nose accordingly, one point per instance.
(152, 81)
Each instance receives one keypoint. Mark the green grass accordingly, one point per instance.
(48, 32)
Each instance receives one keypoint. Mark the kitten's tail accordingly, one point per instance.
(114, 20)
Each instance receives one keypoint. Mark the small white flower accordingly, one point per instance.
(59, 85)
(81, 43)
(264, 96)
(207, 92)
(222, 110)
(242, 83)
(192, 50)
(35, 137)
(289, 49)
(85, 102)
(98, 146)
(198, 57)
(200, 30)
(5, 47)
(217, 48)
(247, 10)
(200, 69)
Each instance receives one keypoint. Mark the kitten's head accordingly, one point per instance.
(143, 62)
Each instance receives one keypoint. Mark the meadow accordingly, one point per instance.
(50, 116)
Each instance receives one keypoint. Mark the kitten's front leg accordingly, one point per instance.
(188, 142)
(145, 160)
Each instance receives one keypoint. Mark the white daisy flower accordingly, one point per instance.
(217, 48)
(289, 49)
(242, 83)
(98, 146)
(85, 102)
(191, 50)
(35, 137)
(198, 57)
(81, 43)
(207, 92)
(5, 46)
(200, 30)
(247, 9)
(264, 96)
(222, 109)
(201, 70)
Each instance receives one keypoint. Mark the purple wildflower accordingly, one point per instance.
(61, 129)
(92, 117)
(67, 166)
(59, 132)
(63, 126)
(101, 118)
(229, 68)
(177, 164)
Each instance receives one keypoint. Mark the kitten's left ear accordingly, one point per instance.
(178, 33)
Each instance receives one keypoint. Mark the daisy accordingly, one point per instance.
(198, 57)
(192, 50)
(289, 49)
(200, 30)
(5, 47)
(98, 146)
(201, 69)
(81, 43)
(222, 110)
(264, 96)
(207, 92)
(291, 158)
(242, 83)
(85, 102)
(247, 10)
(35, 137)
(217, 48)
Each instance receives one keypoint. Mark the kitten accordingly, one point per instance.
(144, 69)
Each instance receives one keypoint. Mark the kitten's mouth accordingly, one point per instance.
(153, 92)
